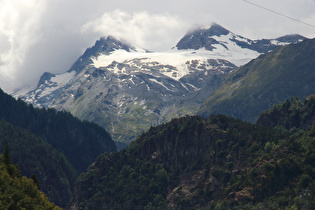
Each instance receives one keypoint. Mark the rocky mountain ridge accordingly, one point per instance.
(208, 38)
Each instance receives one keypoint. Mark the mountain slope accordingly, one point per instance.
(284, 73)
(17, 192)
(197, 163)
(126, 89)
(290, 114)
(80, 142)
(34, 155)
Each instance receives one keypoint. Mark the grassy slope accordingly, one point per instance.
(271, 78)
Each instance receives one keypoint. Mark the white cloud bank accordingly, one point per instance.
(153, 31)
(19, 26)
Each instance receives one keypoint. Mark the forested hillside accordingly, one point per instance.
(17, 191)
(80, 142)
(34, 156)
(54, 146)
(198, 163)
(293, 113)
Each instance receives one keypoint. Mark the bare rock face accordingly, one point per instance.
(208, 38)
(202, 38)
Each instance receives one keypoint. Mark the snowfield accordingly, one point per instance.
(179, 58)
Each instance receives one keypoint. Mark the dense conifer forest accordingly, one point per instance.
(214, 163)
(81, 142)
(189, 163)
(17, 191)
(35, 156)
(54, 146)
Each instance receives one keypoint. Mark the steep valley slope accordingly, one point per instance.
(286, 72)
(54, 146)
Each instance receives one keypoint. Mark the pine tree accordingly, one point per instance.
(6, 156)
(36, 182)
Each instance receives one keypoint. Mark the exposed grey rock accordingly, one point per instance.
(207, 38)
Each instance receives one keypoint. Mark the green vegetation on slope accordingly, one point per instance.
(17, 191)
(80, 142)
(35, 156)
(197, 163)
(55, 146)
(290, 114)
(272, 78)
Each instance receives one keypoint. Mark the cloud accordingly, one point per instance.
(150, 31)
(19, 26)
(38, 36)
(310, 23)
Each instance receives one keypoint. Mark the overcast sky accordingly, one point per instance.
(38, 36)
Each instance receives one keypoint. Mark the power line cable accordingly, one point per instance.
(278, 13)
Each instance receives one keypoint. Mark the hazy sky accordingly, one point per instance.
(38, 36)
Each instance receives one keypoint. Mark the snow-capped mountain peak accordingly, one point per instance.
(103, 46)
(127, 89)
(110, 43)
(217, 36)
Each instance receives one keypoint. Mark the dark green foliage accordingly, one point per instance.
(17, 192)
(37, 159)
(6, 159)
(6, 156)
(120, 181)
(193, 162)
(290, 114)
(36, 182)
(215, 163)
(80, 142)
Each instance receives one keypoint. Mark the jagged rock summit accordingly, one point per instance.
(105, 45)
(126, 89)
(215, 36)
(202, 37)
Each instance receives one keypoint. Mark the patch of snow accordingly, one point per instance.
(59, 80)
(242, 39)
(115, 69)
(196, 89)
(132, 80)
(62, 79)
(142, 102)
(235, 54)
(175, 58)
(184, 86)
(160, 83)
(178, 60)
(275, 42)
